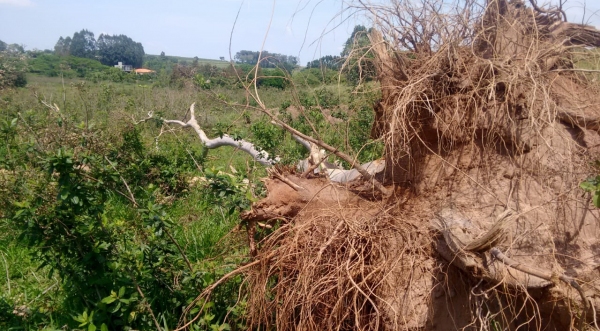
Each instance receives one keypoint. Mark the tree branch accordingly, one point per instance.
(367, 170)
(358, 167)
(260, 156)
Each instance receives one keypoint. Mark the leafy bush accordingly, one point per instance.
(273, 78)
(360, 123)
(313, 77)
(267, 137)
(12, 71)
(69, 66)
(328, 98)
(592, 185)
(97, 218)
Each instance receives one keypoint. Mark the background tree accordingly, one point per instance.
(15, 49)
(358, 56)
(12, 69)
(268, 60)
(63, 46)
(333, 62)
(83, 44)
(119, 48)
(3, 46)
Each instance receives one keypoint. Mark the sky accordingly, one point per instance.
(184, 27)
(308, 29)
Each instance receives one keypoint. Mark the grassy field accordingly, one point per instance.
(36, 298)
(96, 210)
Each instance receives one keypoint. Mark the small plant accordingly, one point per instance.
(592, 185)
(267, 137)
(228, 190)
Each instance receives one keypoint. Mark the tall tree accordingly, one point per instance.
(15, 49)
(358, 56)
(3, 46)
(63, 46)
(83, 44)
(267, 60)
(119, 48)
(358, 39)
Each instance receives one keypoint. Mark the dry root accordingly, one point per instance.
(327, 272)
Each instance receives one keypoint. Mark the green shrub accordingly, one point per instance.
(328, 98)
(96, 217)
(12, 71)
(273, 78)
(69, 66)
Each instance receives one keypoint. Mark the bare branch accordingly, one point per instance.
(260, 156)
(358, 167)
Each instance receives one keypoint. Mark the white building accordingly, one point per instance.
(124, 67)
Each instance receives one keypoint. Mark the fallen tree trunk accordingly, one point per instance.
(316, 157)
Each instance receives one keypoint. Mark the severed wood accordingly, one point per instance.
(458, 234)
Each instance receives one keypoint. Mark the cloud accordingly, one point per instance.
(17, 3)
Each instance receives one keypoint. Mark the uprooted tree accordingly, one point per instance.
(475, 219)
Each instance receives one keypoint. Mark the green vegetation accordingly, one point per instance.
(12, 66)
(68, 66)
(111, 225)
(267, 60)
(102, 229)
(109, 50)
(115, 49)
(12, 71)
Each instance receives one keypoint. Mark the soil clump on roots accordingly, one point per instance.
(489, 129)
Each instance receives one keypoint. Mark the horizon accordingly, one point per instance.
(307, 29)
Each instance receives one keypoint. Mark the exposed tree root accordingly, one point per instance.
(485, 124)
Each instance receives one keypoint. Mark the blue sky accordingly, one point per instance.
(198, 27)
(183, 27)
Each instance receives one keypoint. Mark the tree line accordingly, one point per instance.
(267, 60)
(109, 50)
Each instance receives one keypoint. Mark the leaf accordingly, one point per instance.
(108, 300)
(116, 308)
(103, 327)
(91, 327)
(225, 326)
(121, 291)
(80, 319)
(587, 186)
(596, 199)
